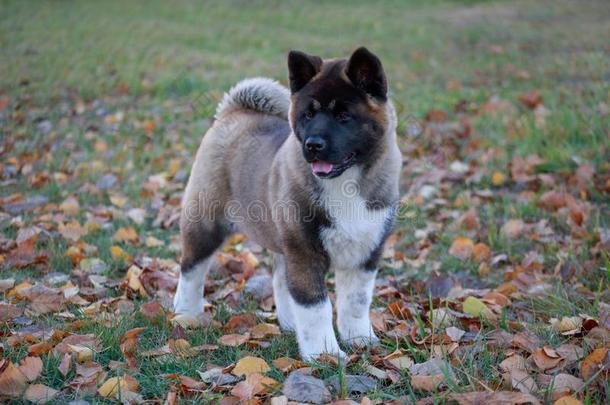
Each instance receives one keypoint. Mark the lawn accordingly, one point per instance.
(496, 278)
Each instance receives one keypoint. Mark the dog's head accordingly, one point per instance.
(338, 109)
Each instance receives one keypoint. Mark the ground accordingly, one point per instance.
(496, 278)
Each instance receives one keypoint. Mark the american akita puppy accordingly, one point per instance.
(309, 173)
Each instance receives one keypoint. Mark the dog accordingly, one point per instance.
(311, 174)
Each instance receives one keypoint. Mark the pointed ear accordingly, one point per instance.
(301, 69)
(365, 71)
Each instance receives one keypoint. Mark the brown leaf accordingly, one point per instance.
(531, 99)
(481, 252)
(64, 366)
(39, 393)
(546, 359)
(521, 380)
(44, 300)
(72, 231)
(513, 228)
(495, 398)
(39, 348)
(254, 384)
(9, 311)
(31, 367)
(565, 384)
(528, 342)
(598, 359)
(264, 330)
(462, 247)
(25, 255)
(129, 345)
(287, 364)
(240, 323)
(12, 380)
(153, 311)
(233, 339)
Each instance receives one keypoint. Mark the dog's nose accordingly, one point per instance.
(315, 144)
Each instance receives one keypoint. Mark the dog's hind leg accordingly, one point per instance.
(354, 296)
(281, 295)
(200, 239)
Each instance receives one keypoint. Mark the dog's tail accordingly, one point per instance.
(258, 94)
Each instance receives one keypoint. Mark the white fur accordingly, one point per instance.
(314, 327)
(356, 230)
(281, 295)
(189, 294)
(354, 296)
(259, 94)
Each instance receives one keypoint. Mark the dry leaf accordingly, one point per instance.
(31, 367)
(264, 330)
(254, 384)
(462, 247)
(249, 365)
(521, 380)
(39, 393)
(115, 385)
(233, 339)
(12, 381)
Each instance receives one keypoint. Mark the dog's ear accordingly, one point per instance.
(301, 69)
(365, 71)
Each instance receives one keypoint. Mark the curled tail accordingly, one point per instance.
(258, 94)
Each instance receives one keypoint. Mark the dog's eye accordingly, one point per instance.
(309, 115)
(343, 117)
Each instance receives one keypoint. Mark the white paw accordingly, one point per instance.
(310, 353)
(357, 332)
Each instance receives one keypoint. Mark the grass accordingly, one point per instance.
(150, 73)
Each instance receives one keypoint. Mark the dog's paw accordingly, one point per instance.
(358, 335)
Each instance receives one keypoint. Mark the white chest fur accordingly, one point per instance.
(356, 230)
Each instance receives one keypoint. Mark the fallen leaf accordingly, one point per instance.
(31, 367)
(39, 393)
(568, 400)
(254, 384)
(114, 386)
(233, 339)
(264, 330)
(546, 360)
(249, 365)
(513, 228)
(12, 381)
(521, 380)
(462, 247)
(126, 234)
(594, 362)
(494, 398)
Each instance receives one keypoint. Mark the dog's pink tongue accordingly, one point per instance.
(321, 167)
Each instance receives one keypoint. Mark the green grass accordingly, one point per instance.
(170, 63)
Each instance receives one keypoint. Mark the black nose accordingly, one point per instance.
(315, 144)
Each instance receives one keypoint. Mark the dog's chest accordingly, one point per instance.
(356, 231)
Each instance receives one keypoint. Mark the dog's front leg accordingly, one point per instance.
(311, 309)
(354, 295)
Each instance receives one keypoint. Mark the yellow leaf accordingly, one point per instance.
(498, 178)
(249, 365)
(126, 234)
(83, 353)
(118, 254)
(114, 385)
(474, 306)
(462, 247)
